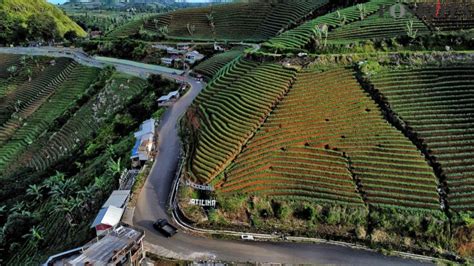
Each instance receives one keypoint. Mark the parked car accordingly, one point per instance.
(162, 226)
(247, 237)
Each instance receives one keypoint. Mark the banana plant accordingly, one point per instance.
(410, 32)
(321, 35)
(362, 11)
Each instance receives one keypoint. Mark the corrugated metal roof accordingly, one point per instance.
(169, 96)
(135, 148)
(101, 252)
(118, 198)
(146, 127)
(109, 216)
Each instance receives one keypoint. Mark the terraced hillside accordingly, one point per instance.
(64, 128)
(446, 16)
(436, 103)
(232, 107)
(85, 122)
(30, 106)
(253, 21)
(211, 66)
(376, 27)
(327, 141)
(364, 22)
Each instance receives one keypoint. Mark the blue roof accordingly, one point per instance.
(135, 148)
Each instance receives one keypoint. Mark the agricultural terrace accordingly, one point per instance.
(66, 134)
(303, 35)
(375, 27)
(211, 66)
(33, 96)
(227, 113)
(449, 18)
(254, 21)
(87, 120)
(127, 29)
(436, 103)
(327, 141)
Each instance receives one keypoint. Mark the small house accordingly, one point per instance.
(183, 46)
(118, 199)
(145, 143)
(166, 99)
(107, 218)
(167, 61)
(176, 52)
(193, 57)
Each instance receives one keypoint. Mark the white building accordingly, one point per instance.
(145, 142)
(193, 57)
(166, 99)
(183, 46)
(107, 218)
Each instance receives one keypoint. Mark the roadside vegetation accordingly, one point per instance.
(63, 150)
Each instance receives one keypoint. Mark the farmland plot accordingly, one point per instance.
(327, 141)
(436, 103)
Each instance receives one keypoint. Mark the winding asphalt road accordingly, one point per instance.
(152, 205)
(152, 201)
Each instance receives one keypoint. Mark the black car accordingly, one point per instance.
(162, 226)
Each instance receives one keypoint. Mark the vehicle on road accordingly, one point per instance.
(247, 237)
(162, 226)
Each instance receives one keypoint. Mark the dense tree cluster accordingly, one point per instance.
(37, 28)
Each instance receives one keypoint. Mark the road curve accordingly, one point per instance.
(125, 66)
(152, 204)
(153, 198)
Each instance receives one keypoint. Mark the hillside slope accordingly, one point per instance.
(20, 11)
(239, 21)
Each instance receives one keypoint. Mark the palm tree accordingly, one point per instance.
(18, 207)
(55, 179)
(210, 19)
(86, 196)
(342, 18)
(29, 73)
(191, 29)
(320, 33)
(86, 192)
(164, 30)
(35, 234)
(17, 106)
(63, 188)
(155, 21)
(12, 71)
(35, 192)
(115, 167)
(68, 206)
(361, 8)
(410, 32)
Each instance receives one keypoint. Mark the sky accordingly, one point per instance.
(57, 1)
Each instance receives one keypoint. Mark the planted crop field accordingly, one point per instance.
(327, 141)
(64, 126)
(437, 104)
(33, 105)
(128, 29)
(447, 16)
(230, 109)
(240, 21)
(86, 121)
(377, 27)
(210, 67)
(301, 36)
